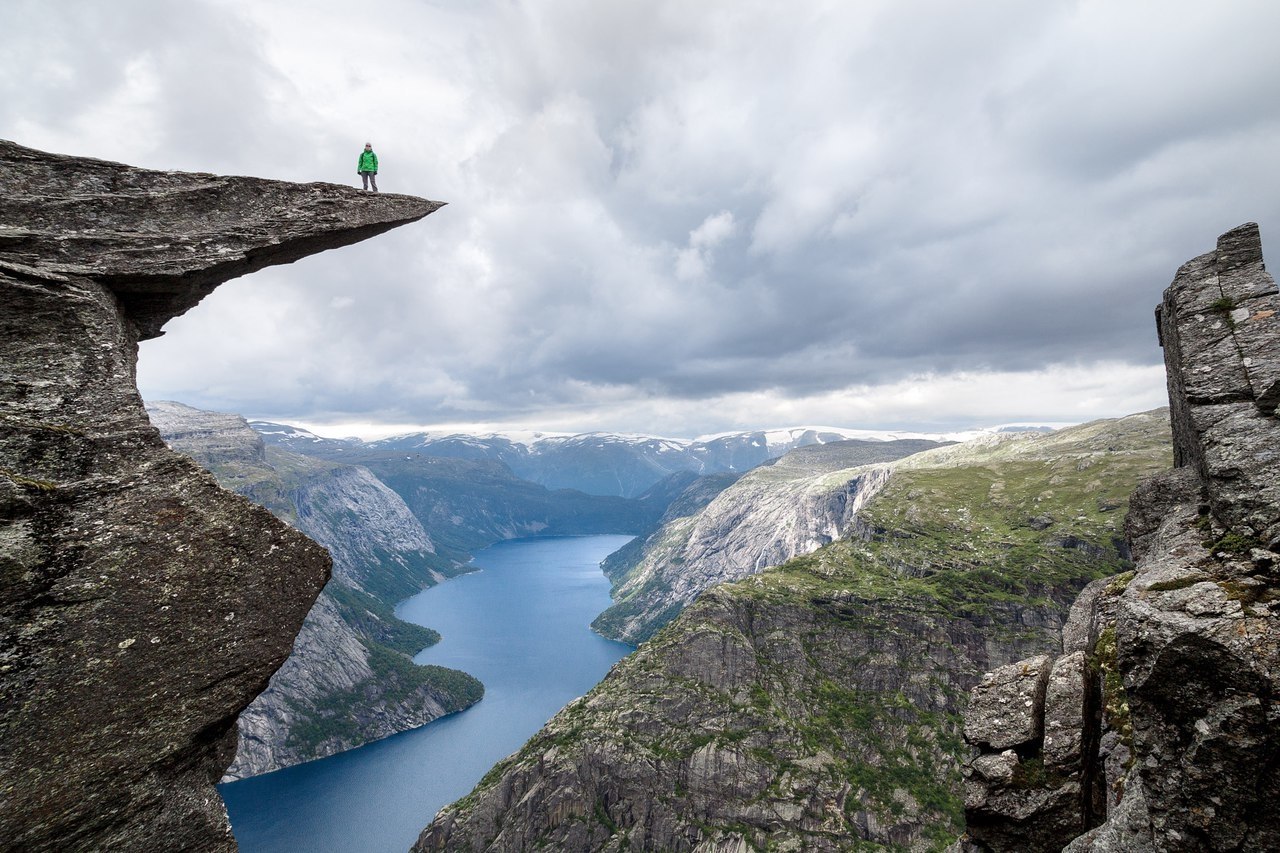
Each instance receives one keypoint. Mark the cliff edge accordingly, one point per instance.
(142, 606)
(1157, 728)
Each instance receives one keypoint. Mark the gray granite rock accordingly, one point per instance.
(1221, 339)
(143, 606)
(1006, 709)
(1127, 830)
(1180, 750)
(1065, 706)
(1024, 789)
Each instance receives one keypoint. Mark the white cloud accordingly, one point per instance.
(692, 211)
(1057, 394)
(693, 260)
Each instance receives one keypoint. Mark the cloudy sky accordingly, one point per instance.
(684, 217)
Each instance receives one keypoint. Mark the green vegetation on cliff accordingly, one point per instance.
(397, 680)
(375, 622)
(726, 530)
(964, 531)
(815, 706)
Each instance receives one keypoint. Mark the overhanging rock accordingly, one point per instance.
(142, 607)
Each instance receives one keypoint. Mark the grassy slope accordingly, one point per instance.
(959, 530)
(852, 662)
(642, 574)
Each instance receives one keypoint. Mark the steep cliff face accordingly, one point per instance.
(377, 544)
(468, 504)
(793, 506)
(350, 678)
(142, 606)
(815, 706)
(1157, 728)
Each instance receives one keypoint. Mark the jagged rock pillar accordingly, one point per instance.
(1184, 652)
(1198, 628)
(1219, 330)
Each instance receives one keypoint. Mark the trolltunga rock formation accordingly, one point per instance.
(142, 607)
(1158, 729)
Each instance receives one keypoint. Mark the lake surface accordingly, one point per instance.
(520, 625)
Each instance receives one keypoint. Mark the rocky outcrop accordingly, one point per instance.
(142, 606)
(350, 678)
(1164, 734)
(792, 506)
(814, 706)
(162, 241)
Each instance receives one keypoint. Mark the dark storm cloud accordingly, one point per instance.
(669, 213)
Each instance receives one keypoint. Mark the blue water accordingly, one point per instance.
(520, 625)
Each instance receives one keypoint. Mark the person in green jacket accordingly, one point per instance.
(367, 166)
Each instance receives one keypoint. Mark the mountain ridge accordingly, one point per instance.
(787, 506)
(606, 463)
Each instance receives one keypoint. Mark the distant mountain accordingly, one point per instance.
(469, 504)
(467, 490)
(597, 463)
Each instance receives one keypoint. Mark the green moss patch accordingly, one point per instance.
(396, 680)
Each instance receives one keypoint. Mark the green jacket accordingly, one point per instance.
(368, 162)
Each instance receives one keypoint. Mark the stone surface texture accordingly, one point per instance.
(1179, 731)
(1004, 705)
(142, 605)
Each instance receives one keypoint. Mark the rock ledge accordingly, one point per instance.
(142, 606)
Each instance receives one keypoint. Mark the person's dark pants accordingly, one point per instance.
(370, 178)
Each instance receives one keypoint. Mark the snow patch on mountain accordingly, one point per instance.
(795, 436)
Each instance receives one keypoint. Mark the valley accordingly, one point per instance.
(982, 643)
(838, 602)
(519, 622)
(395, 524)
(815, 706)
